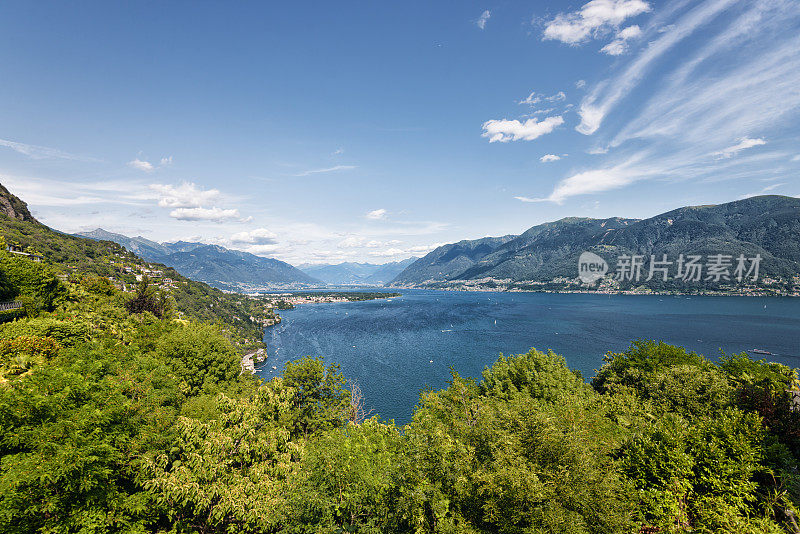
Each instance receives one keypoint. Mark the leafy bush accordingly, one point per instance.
(700, 476)
(65, 332)
(147, 299)
(538, 374)
(202, 358)
(70, 437)
(19, 355)
(26, 278)
(669, 377)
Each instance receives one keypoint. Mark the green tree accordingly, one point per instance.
(230, 474)
(321, 400)
(70, 436)
(202, 358)
(669, 377)
(349, 481)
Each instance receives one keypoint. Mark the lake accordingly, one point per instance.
(395, 348)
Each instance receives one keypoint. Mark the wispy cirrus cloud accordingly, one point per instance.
(43, 152)
(735, 86)
(606, 95)
(483, 19)
(535, 98)
(743, 144)
(591, 181)
(325, 170)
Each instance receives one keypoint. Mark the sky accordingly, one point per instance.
(370, 131)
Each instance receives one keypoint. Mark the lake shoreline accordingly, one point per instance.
(622, 292)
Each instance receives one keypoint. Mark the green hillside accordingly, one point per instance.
(74, 258)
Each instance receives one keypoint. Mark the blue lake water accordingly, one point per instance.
(395, 348)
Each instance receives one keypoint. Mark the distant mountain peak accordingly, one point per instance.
(354, 273)
(213, 264)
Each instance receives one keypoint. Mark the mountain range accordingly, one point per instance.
(359, 274)
(768, 225)
(217, 266)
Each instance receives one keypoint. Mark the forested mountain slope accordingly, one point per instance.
(71, 255)
(765, 225)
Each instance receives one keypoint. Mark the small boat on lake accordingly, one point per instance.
(761, 351)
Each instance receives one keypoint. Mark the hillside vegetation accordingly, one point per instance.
(121, 414)
(74, 258)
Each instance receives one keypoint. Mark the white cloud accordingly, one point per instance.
(620, 44)
(749, 84)
(533, 99)
(41, 152)
(184, 195)
(205, 214)
(260, 250)
(389, 252)
(616, 47)
(593, 19)
(743, 144)
(481, 22)
(326, 170)
(580, 84)
(141, 165)
(259, 236)
(424, 248)
(549, 157)
(592, 181)
(377, 214)
(504, 130)
(631, 32)
(796, 158)
(337, 152)
(352, 241)
(165, 161)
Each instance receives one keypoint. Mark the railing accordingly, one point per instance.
(11, 305)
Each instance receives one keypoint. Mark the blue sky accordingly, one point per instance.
(364, 131)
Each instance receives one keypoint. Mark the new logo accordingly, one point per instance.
(591, 267)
